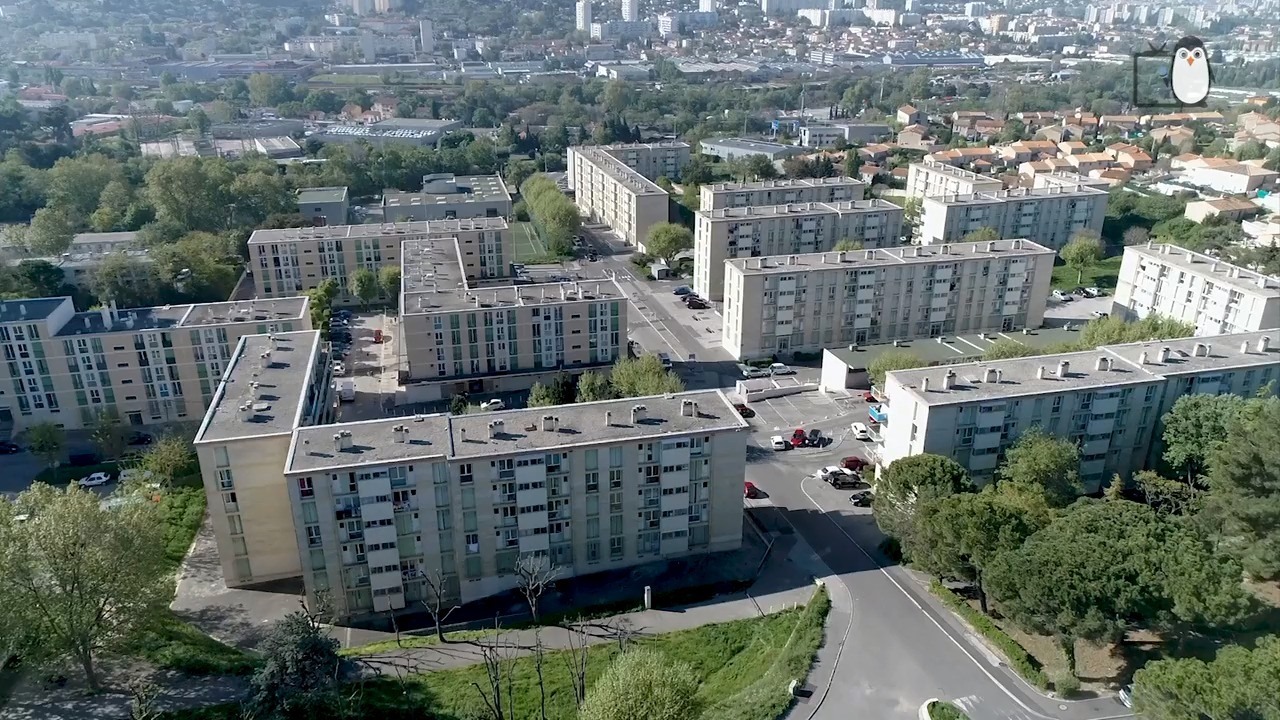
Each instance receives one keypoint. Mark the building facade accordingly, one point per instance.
(1048, 215)
(143, 365)
(804, 303)
(289, 261)
(806, 227)
(449, 197)
(718, 196)
(613, 184)
(932, 179)
(1213, 295)
(1109, 401)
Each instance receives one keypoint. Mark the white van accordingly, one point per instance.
(860, 431)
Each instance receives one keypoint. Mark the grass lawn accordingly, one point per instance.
(744, 668)
(945, 711)
(412, 641)
(333, 79)
(527, 244)
(1103, 275)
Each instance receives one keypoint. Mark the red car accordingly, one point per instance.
(869, 396)
(799, 438)
(744, 411)
(749, 490)
(853, 462)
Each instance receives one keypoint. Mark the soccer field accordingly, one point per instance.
(527, 244)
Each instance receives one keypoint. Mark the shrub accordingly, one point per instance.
(1019, 659)
(941, 710)
(1066, 685)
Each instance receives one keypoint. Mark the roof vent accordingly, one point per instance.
(1064, 368)
(689, 408)
(924, 384)
(948, 380)
(1163, 355)
(550, 423)
(637, 413)
(1264, 343)
(1040, 373)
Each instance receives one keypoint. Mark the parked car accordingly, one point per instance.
(749, 372)
(339, 369)
(94, 480)
(682, 290)
(1126, 696)
(342, 314)
(1061, 296)
(862, 498)
(665, 359)
(9, 448)
(1093, 292)
(132, 474)
(1076, 291)
(853, 462)
(744, 411)
(815, 438)
(777, 442)
(377, 336)
(868, 396)
(140, 438)
(799, 438)
(860, 431)
(697, 304)
(851, 481)
(831, 471)
(494, 404)
(1100, 315)
(780, 369)
(749, 490)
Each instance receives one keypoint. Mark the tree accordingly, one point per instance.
(389, 282)
(1115, 331)
(300, 673)
(52, 229)
(541, 395)
(458, 405)
(642, 683)
(82, 577)
(911, 214)
(1103, 567)
(320, 302)
(889, 361)
(1238, 683)
(436, 600)
(46, 440)
(1165, 496)
(643, 376)
(692, 197)
(853, 163)
(1136, 235)
(1081, 253)
(199, 121)
(168, 459)
(593, 386)
(124, 280)
(982, 234)
(847, 245)
(1042, 464)
(363, 286)
(267, 90)
(910, 483)
(1194, 428)
(108, 435)
(1007, 349)
(957, 536)
(666, 240)
(1244, 477)
(194, 193)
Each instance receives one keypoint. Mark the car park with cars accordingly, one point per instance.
(750, 372)
(777, 442)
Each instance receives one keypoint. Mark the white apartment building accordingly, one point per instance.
(143, 365)
(718, 196)
(931, 178)
(1048, 215)
(582, 16)
(613, 184)
(805, 227)
(804, 303)
(1213, 295)
(1109, 401)
(290, 261)
(630, 10)
(467, 335)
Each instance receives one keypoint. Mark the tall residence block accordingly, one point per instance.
(804, 303)
(805, 227)
(718, 196)
(145, 365)
(1214, 296)
(614, 184)
(1049, 213)
(931, 179)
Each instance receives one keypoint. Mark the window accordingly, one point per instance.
(309, 515)
(229, 502)
(220, 457)
(615, 458)
(615, 479)
(238, 547)
(313, 536)
(317, 559)
(593, 481)
(464, 473)
(225, 481)
(233, 521)
(305, 489)
(243, 572)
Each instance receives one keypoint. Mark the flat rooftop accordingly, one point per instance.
(96, 322)
(29, 309)
(1219, 271)
(760, 146)
(114, 238)
(618, 170)
(224, 313)
(955, 348)
(904, 255)
(322, 195)
(468, 436)
(275, 403)
(1015, 194)
(451, 191)
(953, 171)
(432, 280)
(1195, 355)
(731, 187)
(804, 208)
(374, 230)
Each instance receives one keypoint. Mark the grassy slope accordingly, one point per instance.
(1103, 275)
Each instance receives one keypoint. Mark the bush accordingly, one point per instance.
(521, 211)
(806, 356)
(1066, 685)
(1019, 659)
(643, 260)
(945, 711)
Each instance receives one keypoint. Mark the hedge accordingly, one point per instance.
(1019, 659)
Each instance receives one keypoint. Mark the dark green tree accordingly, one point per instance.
(1244, 481)
(1041, 464)
(911, 483)
(1239, 684)
(1194, 428)
(301, 672)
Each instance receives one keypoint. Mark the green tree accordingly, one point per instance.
(363, 286)
(1136, 235)
(267, 90)
(982, 234)
(81, 578)
(47, 441)
(77, 183)
(666, 240)
(108, 435)
(1244, 478)
(125, 280)
(541, 395)
(1239, 683)
(593, 386)
(1103, 567)
(458, 405)
(642, 683)
(889, 361)
(1194, 428)
(910, 483)
(1042, 464)
(1007, 349)
(848, 245)
(1081, 253)
(957, 536)
(1115, 331)
(52, 229)
(194, 193)
(320, 303)
(301, 671)
(911, 214)
(692, 197)
(389, 282)
(665, 183)
(643, 376)
(1165, 496)
(199, 121)
(853, 163)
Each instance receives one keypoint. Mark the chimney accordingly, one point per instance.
(495, 428)
(1163, 355)
(871, 255)
(946, 249)
(1142, 358)
(791, 259)
(608, 418)
(1264, 343)
(1017, 244)
(999, 376)
(689, 408)
(549, 423)
(22, 309)
(346, 440)
(88, 323)
(924, 385)
(1262, 281)
(975, 247)
(842, 256)
(989, 375)
(462, 434)
(637, 413)
(948, 380)
(1100, 364)
(337, 442)
(1200, 350)
(1064, 367)
(991, 246)
(1040, 373)
(396, 435)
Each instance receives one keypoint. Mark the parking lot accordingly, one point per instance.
(801, 409)
(372, 366)
(1077, 310)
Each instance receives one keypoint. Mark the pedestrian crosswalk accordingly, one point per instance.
(974, 707)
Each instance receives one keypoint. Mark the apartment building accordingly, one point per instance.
(324, 205)
(1049, 215)
(804, 303)
(381, 507)
(1211, 294)
(1109, 401)
(449, 197)
(931, 178)
(289, 261)
(613, 184)
(806, 227)
(273, 384)
(144, 365)
(718, 196)
(460, 334)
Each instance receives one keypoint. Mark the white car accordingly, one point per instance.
(1092, 292)
(750, 372)
(1061, 296)
(860, 431)
(132, 474)
(339, 369)
(779, 443)
(493, 405)
(780, 369)
(831, 471)
(94, 480)
(1126, 696)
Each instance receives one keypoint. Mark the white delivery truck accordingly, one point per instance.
(346, 388)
